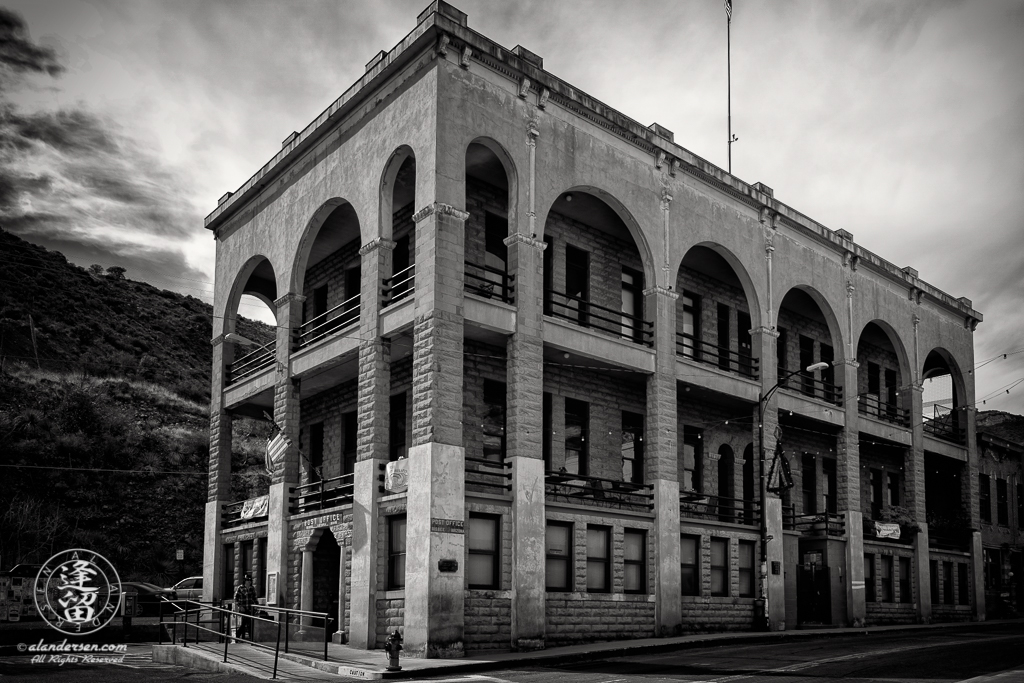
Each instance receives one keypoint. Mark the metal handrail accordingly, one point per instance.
(872, 406)
(504, 476)
(317, 496)
(323, 325)
(832, 523)
(811, 386)
(251, 363)
(947, 432)
(484, 286)
(404, 280)
(584, 487)
(689, 346)
(640, 331)
(326, 616)
(696, 505)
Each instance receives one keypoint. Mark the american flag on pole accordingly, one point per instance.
(276, 449)
(728, 9)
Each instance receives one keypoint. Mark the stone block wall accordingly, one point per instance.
(888, 459)
(942, 611)
(488, 613)
(711, 292)
(301, 529)
(390, 604)
(895, 611)
(481, 198)
(998, 463)
(331, 272)
(797, 325)
(721, 426)
(885, 359)
(481, 362)
(706, 612)
(327, 407)
(798, 442)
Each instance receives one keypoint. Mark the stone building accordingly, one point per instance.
(562, 323)
(1001, 512)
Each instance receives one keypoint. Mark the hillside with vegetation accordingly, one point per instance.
(104, 419)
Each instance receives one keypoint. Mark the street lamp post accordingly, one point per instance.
(762, 401)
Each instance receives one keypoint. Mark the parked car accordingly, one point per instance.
(189, 589)
(150, 596)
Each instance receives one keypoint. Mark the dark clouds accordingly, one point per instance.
(19, 55)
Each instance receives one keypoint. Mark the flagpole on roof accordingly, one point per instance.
(728, 71)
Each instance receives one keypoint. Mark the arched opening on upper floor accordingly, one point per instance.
(327, 271)
(596, 265)
(397, 206)
(250, 321)
(882, 373)
(716, 311)
(490, 202)
(808, 334)
(945, 397)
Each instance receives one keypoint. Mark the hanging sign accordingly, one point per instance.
(396, 476)
(887, 530)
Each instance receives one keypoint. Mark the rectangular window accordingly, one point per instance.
(693, 457)
(494, 421)
(577, 284)
(1002, 503)
(746, 345)
(350, 433)
(547, 429)
(401, 259)
(831, 496)
(985, 498)
(723, 336)
(781, 354)
(806, 359)
(396, 552)
(577, 426)
(809, 474)
(876, 493)
(885, 578)
(746, 569)
(634, 561)
(558, 550)
(495, 251)
(906, 581)
(874, 381)
(484, 540)
(632, 447)
(247, 549)
(993, 564)
(828, 375)
(228, 582)
(319, 305)
(632, 304)
(397, 422)
(599, 559)
(549, 272)
(719, 566)
(963, 578)
(691, 326)
(316, 452)
(890, 392)
(947, 583)
(894, 487)
(933, 571)
(689, 547)
(353, 284)
(261, 577)
(869, 577)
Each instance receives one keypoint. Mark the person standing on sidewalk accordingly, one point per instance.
(245, 598)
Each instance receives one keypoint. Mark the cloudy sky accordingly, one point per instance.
(121, 123)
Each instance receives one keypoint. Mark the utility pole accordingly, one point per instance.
(728, 79)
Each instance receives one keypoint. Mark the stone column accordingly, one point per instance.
(306, 590)
(286, 415)
(219, 492)
(972, 503)
(374, 390)
(914, 469)
(661, 461)
(525, 443)
(436, 503)
(848, 477)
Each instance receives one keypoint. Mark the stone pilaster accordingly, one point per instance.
(661, 460)
(525, 443)
(219, 487)
(848, 476)
(913, 468)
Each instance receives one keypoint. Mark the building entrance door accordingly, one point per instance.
(813, 599)
(326, 571)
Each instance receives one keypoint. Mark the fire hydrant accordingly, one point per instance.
(391, 648)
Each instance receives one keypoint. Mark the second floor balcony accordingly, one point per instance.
(579, 489)
(812, 387)
(871, 406)
(338, 318)
(585, 313)
(694, 505)
(323, 494)
(722, 357)
(825, 524)
(945, 428)
(250, 364)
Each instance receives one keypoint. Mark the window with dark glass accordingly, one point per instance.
(261, 576)
(558, 548)
(933, 571)
(494, 420)
(906, 581)
(894, 487)
(397, 422)
(984, 498)
(831, 496)
(350, 435)
(691, 325)
(746, 569)
(599, 559)
(828, 375)
(632, 447)
(947, 583)
(228, 582)
(689, 547)
(963, 584)
(634, 561)
(549, 272)
(1002, 503)
(316, 452)
(885, 578)
(874, 382)
(726, 506)
(693, 456)
(547, 429)
(400, 261)
(496, 252)
(577, 427)
(247, 556)
(806, 359)
(746, 344)
(869, 577)
(353, 283)
(993, 565)
(396, 552)
(808, 487)
(484, 540)
(723, 336)
(748, 484)
(890, 392)
(319, 304)
(632, 304)
(577, 284)
(780, 353)
(719, 566)
(876, 493)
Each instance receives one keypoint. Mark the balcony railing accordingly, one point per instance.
(490, 283)
(341, 316)
(597, 491)
(809, 385)
(242, 512)
(817, 524)
(688, 346)
(588, 314)
(493, 475)
(399, 286)
(322, 495)
(250, 364)
(693, 505)
(950, 539)
(943, 428)
(870, 405)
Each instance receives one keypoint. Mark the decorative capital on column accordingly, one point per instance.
(659, 159)
(768, 217)
(373, 245)
(289, 298)
(918, 387)
(666, 198)
(524, 87)
(661, 291)
(852, 362)
(532, 132)
(542, 101)
(916, 320)
(673, 167)
(851, 261)
(441, 210)
(850, 289)
(767, 331)
(442, 45)
(520, 238)
(467, 52)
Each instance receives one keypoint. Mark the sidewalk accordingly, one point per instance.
(347, 661)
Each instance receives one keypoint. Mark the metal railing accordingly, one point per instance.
(872, 406)
(341, 316)
(809, 385)
(489, 474)
(598, 491)
(814, 524)
(250, 364)
(950, 539)
(302, 614)
(696, 505)
(231, 515)
(399, 286)
(588, 314)
(944, 429)
(688, 346)
(324, 494)
(490, 282)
